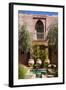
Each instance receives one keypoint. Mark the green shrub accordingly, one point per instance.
(22, 70)
(38, 53)
(53, 33)
(24, 39)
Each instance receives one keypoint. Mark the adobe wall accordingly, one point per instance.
(30, 22)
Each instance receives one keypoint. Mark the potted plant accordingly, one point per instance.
(37, 56)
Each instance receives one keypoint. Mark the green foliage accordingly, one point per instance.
(37, 65)
(45, 65)
(53, 40)
(53, 33)
(46, 53)
(22, 70)
(24, 39)
(38, 53)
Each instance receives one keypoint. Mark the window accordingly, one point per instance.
(40, 30)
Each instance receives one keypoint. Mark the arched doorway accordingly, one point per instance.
(40, 30)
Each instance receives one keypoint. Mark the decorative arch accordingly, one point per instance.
(39, 29)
